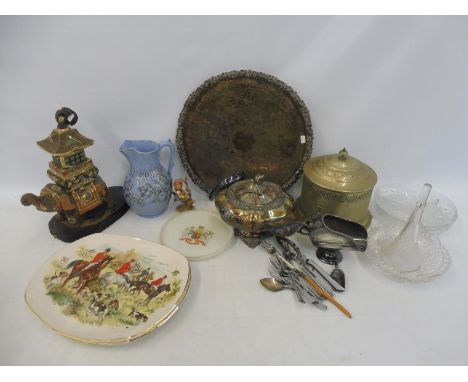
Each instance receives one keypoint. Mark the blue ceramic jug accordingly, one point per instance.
(148, 186)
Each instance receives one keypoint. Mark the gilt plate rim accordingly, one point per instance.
(117, 340)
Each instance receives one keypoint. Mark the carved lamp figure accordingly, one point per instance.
(83, 203)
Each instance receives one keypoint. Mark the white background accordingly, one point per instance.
(392, 90)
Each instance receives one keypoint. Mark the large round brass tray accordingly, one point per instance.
(244, 120)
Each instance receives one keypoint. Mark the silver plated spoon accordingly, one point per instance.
(275, 285)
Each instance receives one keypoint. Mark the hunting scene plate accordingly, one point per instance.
(244, 121)
(197, 234)
(109, 289)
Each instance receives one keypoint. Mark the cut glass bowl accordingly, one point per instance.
(393, 204)
(436, 259)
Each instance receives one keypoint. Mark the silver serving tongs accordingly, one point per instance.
(291, 250)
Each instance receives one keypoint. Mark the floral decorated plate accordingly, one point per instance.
(108, 289)
(197, 234)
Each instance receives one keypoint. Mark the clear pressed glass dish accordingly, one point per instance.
(406, 252)
(435, 262)
(393, 204)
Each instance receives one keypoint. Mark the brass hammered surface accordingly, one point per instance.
(244, 120)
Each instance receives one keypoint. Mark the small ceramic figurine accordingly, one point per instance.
(183, 194)
(83, 202)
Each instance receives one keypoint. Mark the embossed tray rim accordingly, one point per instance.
(235, 74)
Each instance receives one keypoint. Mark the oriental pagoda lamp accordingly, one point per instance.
(83, 202)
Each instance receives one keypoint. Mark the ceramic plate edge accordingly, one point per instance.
(204, 257)
(123, 340)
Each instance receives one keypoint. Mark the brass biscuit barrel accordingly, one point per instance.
(337, 184)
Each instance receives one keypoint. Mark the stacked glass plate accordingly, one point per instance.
(403, 241)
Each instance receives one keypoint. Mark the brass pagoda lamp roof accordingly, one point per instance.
(64, 140)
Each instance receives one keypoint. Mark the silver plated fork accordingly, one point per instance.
(291, 281)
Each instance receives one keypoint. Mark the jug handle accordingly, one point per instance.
(168, 143)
